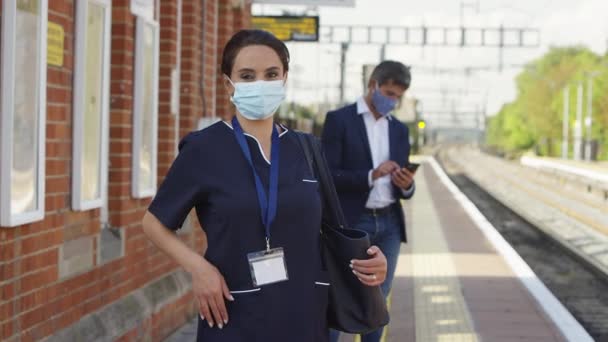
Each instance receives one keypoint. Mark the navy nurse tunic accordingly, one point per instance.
(212, 175)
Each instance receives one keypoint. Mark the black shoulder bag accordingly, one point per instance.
(353, 307)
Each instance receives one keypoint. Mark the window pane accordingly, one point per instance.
(25, 126)
(91, 161)
(146, 181)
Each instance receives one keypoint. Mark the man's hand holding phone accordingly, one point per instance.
(404, 177)
(386, 168)
(412, 167)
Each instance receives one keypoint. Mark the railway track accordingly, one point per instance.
(578, 283)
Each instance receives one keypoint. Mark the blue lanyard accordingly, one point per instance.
(268, 205)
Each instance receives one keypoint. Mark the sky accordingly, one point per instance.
(314, 68)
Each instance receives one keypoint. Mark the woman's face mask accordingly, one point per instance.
(258, 100)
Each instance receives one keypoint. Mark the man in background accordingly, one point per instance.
(368, 151)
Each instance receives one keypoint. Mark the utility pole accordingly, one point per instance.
(343, 50)
(578, 125)
(501, 47)
(565, 122)
(589, 119)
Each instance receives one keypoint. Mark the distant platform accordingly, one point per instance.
(597, 171)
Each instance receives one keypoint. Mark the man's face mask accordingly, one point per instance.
(382, 103)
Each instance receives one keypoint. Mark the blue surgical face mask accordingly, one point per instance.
(258, 100)
(382, 103)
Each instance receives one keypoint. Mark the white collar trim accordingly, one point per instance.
(285, 130)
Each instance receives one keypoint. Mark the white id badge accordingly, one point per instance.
(267, 267)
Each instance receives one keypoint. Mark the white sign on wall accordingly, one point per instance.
(341, 3)
(143, 8)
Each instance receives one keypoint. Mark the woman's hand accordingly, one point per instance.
(208, 284)
(372, 271)
(210, 289)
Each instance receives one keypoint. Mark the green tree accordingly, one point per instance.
(535, 118)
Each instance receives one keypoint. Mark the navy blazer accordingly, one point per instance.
(348, 154)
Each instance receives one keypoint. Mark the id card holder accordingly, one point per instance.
(267, 267)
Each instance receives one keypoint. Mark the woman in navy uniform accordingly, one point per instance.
(261, 277)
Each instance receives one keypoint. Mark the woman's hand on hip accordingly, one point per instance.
(372, 271)
(210, 290)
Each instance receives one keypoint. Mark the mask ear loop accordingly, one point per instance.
(376, 87)
(229, 80)
(232, 83)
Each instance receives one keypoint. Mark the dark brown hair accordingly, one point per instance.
(393, 71)
(245, 38)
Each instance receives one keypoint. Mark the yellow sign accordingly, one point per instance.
(289, 28)
(54, 50)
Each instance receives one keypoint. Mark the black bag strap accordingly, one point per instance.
(318, 166)
(307, 154)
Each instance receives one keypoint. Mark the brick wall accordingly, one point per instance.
(35, 301)
(192, 45)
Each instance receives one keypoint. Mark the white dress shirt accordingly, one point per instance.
(381, 194)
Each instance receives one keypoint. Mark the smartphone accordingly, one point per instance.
(412, 167)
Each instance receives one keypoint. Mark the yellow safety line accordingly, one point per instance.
(385, 333)
(388, 306)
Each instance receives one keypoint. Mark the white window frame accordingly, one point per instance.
(139, 105)
(78, 202)
(9, 14)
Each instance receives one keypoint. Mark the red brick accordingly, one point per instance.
(121, 132)
(55, 202)
(6, 330)
(58, 95)
(120, 75)
(124, 219)
(40, 241)
(76, 217)
(57, 112)
(7, 235)
(123, 44)
(6, 310)
(7, 270)
(42, 330)
(39, 261)
(121, 16)
(57, 185)
(119, 175)
(118, 190)
(57, 167)
(7, 292)
(59, 131)
(7, 251)
(59, 7)
(68, 63)
(38, 279)
(31, 318)
(59, 149)
(58, 77)
(37, 227)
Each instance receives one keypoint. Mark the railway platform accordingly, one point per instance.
(459, 280)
